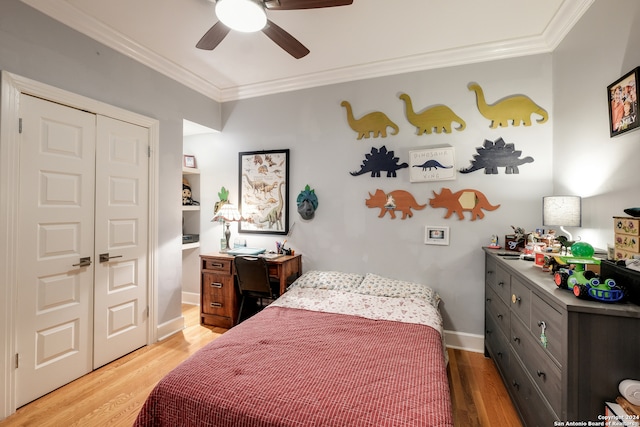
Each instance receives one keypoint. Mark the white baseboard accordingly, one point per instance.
(191, 298)
(464, 341)
(171, 327)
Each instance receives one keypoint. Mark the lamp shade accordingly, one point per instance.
(228, 212)
(562, 211)
(241, 15)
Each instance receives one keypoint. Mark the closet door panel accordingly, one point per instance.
(55, 293)
(121, 314)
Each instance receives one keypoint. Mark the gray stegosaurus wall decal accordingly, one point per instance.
(493, 155)
(380, 160)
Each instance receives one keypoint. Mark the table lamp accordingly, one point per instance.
(562, 211)
(227, 213)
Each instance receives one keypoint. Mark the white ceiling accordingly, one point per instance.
(369, 38)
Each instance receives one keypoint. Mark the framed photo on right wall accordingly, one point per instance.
(623, 103)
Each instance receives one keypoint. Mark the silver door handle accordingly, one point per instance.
(84, 262)
(106, 257)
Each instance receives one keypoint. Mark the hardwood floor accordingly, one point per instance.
(478, 395)
(113, 394)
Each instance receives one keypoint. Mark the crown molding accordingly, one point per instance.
(569, 13)
(64, 12)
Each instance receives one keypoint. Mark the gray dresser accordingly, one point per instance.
(587, 348)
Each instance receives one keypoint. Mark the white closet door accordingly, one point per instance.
(121, 313)
(55, 289)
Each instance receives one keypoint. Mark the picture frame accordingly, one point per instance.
(432, 164)
(436, 235)
(189, 161)
(623, 103)
(263, 186)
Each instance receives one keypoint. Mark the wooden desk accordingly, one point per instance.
(218, 295)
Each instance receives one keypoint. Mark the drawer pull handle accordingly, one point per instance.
(499, 354)
(216, 264)
(516, 385)
(541, 374)
(488, 299)
(516, 339)
(216, 285)
(489, 271)
(500, 283)
(500, 316)
(515, 299)
(216, 305)
(489, 331)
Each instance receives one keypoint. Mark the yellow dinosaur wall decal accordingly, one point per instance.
(437, 117)
(375, 123)
(515, 108)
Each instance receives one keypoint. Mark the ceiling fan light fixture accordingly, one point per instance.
(241, 15)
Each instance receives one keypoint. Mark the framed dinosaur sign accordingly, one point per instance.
(264, 191)
(432, 164)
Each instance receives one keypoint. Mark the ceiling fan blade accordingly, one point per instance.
(213, 37)
(285, 40)
(304, 4)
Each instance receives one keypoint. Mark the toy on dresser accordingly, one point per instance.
(573, 273)
(627, 237)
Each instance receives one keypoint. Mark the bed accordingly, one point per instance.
(337, 349)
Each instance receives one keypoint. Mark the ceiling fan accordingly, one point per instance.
(250, 16)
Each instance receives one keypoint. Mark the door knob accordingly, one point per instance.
(106, 257)
(84, 262)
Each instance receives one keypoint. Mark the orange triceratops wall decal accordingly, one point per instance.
(397, 200)
(460, 201)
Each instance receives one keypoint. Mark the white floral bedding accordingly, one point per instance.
(370, 296)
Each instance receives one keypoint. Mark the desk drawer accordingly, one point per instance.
(217, 264)
(217, 294)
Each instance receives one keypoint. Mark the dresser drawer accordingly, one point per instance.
(541, 368)
(217, 264)
(521, 300)
(217, 294)
(543, 312)
(498, 345)
(498, 310)
(499, 281)
(532, 406)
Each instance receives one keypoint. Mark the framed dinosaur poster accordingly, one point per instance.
(264, 191)
(432, 164)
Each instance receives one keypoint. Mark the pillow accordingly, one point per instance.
(328, 280)
(382, 286)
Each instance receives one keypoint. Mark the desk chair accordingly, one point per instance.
(254, 282)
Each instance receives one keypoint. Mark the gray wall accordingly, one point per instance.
(601, 48)
(35, 46)
(345, 234)
(574, 146)
(573, 155)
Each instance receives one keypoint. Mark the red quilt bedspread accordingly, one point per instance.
(291, 367)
